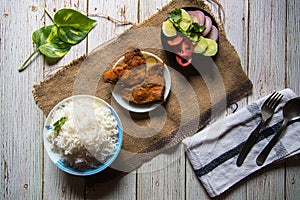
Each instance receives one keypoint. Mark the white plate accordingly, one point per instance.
(117, 92)
(56, 158)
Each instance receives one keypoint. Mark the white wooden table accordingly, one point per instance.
(266, 36)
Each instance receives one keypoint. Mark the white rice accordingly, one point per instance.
(89, 131)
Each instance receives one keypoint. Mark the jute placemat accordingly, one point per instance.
(197, 94)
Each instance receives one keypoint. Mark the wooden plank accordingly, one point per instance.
(162, 177)
(236, 26)
(58, 184)
(123, 188)
(21, 131)
(293, 43)
(104, 31)
(266, 70)
(293, 82)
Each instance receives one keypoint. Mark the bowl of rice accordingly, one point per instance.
(83, 135)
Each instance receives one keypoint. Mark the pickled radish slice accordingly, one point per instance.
(185, 48)
(175, 41)
(184, 52)
(201, 17)
(184, 62)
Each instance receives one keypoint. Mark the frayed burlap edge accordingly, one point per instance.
(173, 138)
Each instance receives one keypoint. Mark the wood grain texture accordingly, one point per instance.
(267, 29)
(105, 31)
(21, 162)
(293, 81)
(265, 35)
(236, 27)
(58, 184)
(154, 177)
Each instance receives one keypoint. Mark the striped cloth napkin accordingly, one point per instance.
(214, 150)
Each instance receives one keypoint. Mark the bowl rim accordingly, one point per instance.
(56, 158)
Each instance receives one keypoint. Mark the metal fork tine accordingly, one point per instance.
(278, 101)
(270, 97)
(275, 100)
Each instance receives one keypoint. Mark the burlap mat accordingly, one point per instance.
(197, 94)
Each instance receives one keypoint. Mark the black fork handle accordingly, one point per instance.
(249, 144)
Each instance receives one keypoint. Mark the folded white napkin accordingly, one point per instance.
(214, 150)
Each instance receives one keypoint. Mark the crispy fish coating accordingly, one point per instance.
(134, 76)
(151, 90)
(155, 74)
(133, 57)
(140, 84)
(143, 94)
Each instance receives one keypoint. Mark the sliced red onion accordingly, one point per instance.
(208, 25)
(213, 34)
(201, 17)
(197, 16)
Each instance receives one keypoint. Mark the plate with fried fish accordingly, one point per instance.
(141, 81)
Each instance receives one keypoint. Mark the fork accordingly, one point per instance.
(267, 111)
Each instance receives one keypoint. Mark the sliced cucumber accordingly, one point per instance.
(201, 46)
(185, 16)
(186, 20)
(212, 47)
(185, 25)
(168, 29)
(195, 38)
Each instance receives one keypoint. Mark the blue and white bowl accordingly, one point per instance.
(56, 157)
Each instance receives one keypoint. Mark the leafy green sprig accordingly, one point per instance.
(194, 29)
(59, 123)
(54, 41)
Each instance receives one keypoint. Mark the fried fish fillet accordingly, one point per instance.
(140, 84)
(144, 93)
(155, 74)
(134, 76)
(133, 57)
(151, 90)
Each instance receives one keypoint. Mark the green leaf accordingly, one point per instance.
(71, 35)
(58, 124)
(54, 41)
(48, 42)
(175, 15)
(72, 25)
(193, 31)
(196, 28)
